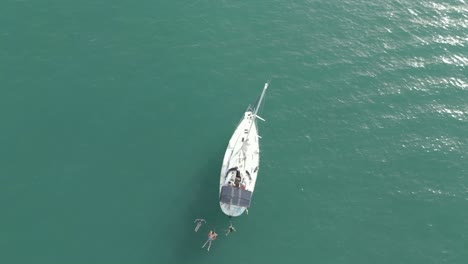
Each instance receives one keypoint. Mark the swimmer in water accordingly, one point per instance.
(199, 223)
(230, 229)
(211, 236)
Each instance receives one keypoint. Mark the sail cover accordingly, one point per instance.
(235, 196)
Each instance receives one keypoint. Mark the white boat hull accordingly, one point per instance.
(240, 164)
(244, 157)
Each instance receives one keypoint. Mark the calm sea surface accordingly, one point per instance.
(114, 118)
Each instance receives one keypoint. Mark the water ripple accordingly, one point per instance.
(450, 40)
(460, 113)
(443, 22)
(454, 59)
(447, 82)
(443, 144)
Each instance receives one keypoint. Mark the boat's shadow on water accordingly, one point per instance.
(202, 204)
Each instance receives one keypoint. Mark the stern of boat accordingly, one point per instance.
(233, 200)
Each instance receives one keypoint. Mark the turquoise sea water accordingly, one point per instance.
(115, 116)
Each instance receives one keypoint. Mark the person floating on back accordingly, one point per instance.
(230, 230)
(199, 223)
(211, 236)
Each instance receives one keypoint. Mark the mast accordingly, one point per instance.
(260, 99)
(256, 111)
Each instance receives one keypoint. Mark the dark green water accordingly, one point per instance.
(115, 116)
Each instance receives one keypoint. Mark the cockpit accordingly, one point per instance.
(236, 178)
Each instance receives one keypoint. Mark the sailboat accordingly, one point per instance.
(240, 164)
